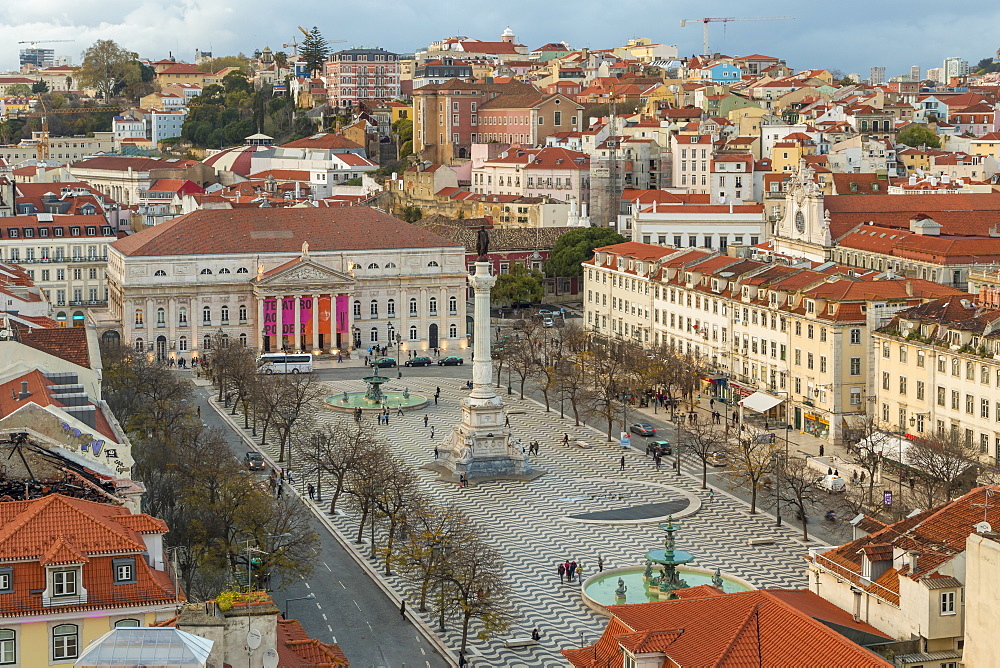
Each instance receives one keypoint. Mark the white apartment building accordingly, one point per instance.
(330, 279)
(692, 159)
(544, 172)
(65, 256)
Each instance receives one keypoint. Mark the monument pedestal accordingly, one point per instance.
(480, 446)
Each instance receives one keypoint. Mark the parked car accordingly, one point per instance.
(418, 361)
(544, 312)
(831, 483)
(521, 304)
(643, 429)
(548, 322)
(451, 360)
(254, 461)
(383, 362)
(661, 448)
(718, 459)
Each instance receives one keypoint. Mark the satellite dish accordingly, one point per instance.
(984, 527)
(271, 658)
(253, 638)
(5, 333)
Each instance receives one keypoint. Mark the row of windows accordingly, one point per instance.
(390, 307)
(414, 334)
(74, 231)
(182, 342)
(65, 641)
(182, 316)
(45, 253)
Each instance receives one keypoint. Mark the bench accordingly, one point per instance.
(581, 444)
(760, 541)
(517, 643)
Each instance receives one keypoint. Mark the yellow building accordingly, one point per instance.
(72, 570)
(988, 145)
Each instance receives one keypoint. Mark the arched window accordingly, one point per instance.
(225, 314)
(160, 272)
(432, 263)
(243, 313)
(373, 308)
(243, 340)
(413, 306)
(126, 623)
(139, 345)
(182, 316)
(206, 270)
(413, 333)
(242, 270)
(138, 317)
(225, 340)
(65, 642)
(433, 304)
(206, 315)
(373, 266)
(453, 331)
(161, 317)
(357, 309)
(206, 342)
(7, 645)
(373, 336)
(224, 271)
(182, 343)
(390, 265)
(452, 305)
(390, 308)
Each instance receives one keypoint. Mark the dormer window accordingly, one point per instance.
(124, 570)
(810, 306)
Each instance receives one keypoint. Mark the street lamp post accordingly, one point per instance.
(308, 597)
(399, 355)
(319, 472)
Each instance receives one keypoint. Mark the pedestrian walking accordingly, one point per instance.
(711, 403)
(340, 358)
(199, 411)
(425, 419)
(579, 572)
(432, 431)
(535, 635)
(462, 661)
(312, 492)
(399, 411)
(506, 421)
(435, 400)
(600, 564)
(565, 439)
(711, 495)
(572, 570)
(402, 607)
(436, 452)
(623, 463)
(820, 449)
(280, 490)
(562, 572)
(656, 460)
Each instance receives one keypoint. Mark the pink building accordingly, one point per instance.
(553, 172)
(361, 74)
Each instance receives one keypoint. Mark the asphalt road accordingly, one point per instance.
(349, 608)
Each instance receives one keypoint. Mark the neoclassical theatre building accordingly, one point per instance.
(319, 280)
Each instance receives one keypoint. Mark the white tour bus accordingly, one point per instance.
(285, 363)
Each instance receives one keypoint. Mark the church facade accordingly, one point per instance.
(804, 228)
(317, 280)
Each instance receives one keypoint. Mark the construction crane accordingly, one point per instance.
(42, 145)
(33, 42)
(726, 19)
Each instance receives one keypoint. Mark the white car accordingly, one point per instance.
(831, 483)
(548, 322)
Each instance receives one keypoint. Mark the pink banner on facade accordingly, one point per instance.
(342, 306)
(288, 315)
(270, 316)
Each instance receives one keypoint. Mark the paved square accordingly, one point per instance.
(528, 521)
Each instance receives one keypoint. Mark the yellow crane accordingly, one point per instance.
(42, 139)
(724, 20)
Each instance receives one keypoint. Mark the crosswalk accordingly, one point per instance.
(528, 520)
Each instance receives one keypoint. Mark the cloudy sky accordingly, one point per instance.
(850, 35)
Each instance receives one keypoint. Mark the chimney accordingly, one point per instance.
(909, 288)
(913, 562)
(24, 391)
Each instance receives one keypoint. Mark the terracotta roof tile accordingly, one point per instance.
(270, 230)
(323, 141)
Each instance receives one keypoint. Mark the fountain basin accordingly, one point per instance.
(599, 589)
(393, 400)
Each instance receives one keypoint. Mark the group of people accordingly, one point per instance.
(383, 416)
(570, 569)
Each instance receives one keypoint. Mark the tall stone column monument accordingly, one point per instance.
(481, 446)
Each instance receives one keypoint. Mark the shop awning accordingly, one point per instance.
(760, 402)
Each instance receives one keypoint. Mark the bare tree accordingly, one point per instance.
(611, 366)
(797, 488)
(477, 589)
(364, 483)
(704, 440)
(433, 532)
(751, 459)
(862, 433)
(939, 466)
(335, 450)
(393, 501)
(295, 392)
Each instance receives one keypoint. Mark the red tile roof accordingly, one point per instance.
(323, 142)
(961, 214)
(122, 164)
(259, 230)
(754, 628)
(38, 386)
(296, 649)
(57, 529)
(68, 343)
